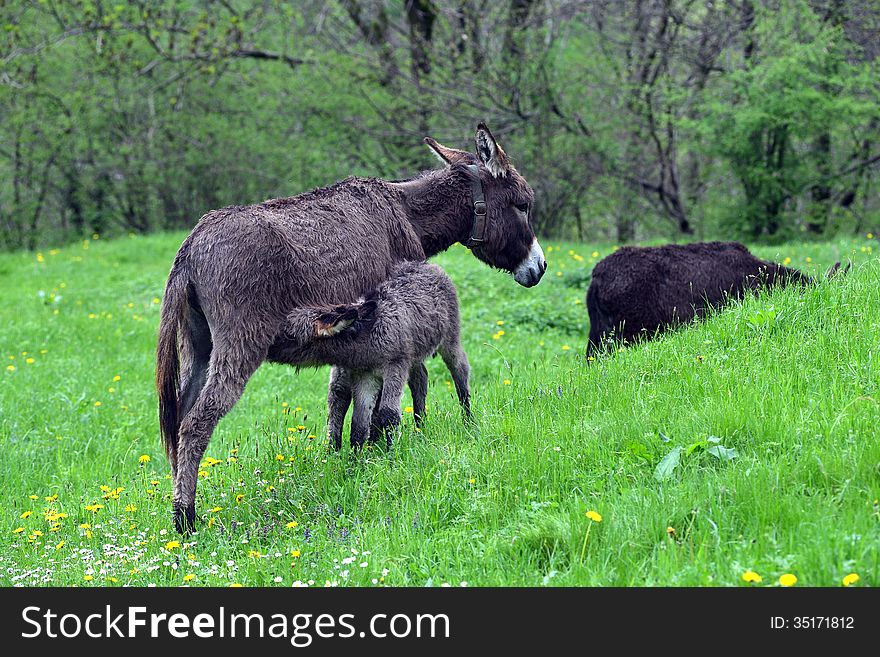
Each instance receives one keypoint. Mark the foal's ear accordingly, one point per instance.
(448, 155)
(490, 153)
(335, 321)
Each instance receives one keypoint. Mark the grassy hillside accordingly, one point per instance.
(773, 404)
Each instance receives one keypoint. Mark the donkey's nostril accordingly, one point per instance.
(543, 266)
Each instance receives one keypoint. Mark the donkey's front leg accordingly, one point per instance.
(394, 377)
(338, 401)
(365, 390)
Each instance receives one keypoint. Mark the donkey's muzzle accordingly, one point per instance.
(532, 268)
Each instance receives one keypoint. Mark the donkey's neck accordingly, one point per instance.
(439, 207)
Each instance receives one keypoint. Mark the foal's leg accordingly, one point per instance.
(229, 370)
(418, 386)
(457, 362)
(338, 401)
(394, 377)
(365, 390)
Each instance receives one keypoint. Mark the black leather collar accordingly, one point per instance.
(478, 228)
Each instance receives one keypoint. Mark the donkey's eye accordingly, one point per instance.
(522, 207)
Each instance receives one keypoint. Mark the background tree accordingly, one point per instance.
(648, 119)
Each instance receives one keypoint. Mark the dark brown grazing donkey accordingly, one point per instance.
(375, 345)
(242, 270)
(640, 291)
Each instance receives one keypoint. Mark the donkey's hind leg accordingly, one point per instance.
(418, 386)
(338, 401)
(228, 372)
(387, 418)
(457, 362)
(198, 355)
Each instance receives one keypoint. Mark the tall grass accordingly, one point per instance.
(788, 381)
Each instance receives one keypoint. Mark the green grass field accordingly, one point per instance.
(771, 408)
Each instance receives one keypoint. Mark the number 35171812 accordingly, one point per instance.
(812, 623)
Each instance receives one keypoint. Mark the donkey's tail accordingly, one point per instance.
(168, 360)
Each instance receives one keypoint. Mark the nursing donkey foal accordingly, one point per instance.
(243, 269)
(377, 344)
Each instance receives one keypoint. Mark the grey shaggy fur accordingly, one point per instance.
(638, 292)
(242, 270)
(378, 345)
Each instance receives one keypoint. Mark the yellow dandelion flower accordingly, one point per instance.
(565, 347)
(10, 368)
(48, 498)
(144, 458)
(592, 515)
(253, 554)
(94, 508)
(851, 579)
(408, 409)
(216, 509)
(97, 403)
(235, 586)
(60, 545)
(18, 530)
(155, 300)
(788, 580)
(294, 553)
(507, 382)
(239, 498)
(88, 578)
(189, 578)
(35, 497)
(472, 481)
(85, 525)
(292, 524)
(301, 427)
(27, 514)
(279, 457)
(172, 545)
(131, 508)
(117, 378)
(29, 361)
(212, 521)
(751, 577)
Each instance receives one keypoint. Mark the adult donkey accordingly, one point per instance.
(243, 269)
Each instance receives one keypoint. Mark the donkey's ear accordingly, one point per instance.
(335, 321)
(490, 153)
(448, 155)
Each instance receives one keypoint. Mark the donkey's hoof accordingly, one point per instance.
(185, 519)
(387, 419)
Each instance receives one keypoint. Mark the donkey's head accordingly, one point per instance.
(501, 234)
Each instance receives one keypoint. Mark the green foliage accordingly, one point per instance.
(643, 120)
(800, 85)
